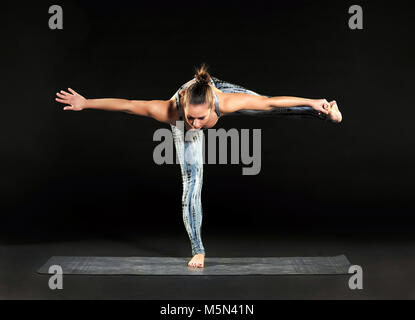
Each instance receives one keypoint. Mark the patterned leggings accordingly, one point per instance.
(190, 155)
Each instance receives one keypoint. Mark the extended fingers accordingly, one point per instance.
(60, 95)
(65, 93)
(72, 91)
(61, 100)
(63, 97)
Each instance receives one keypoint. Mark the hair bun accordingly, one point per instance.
(202, 76)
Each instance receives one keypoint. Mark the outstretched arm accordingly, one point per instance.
(160, 110)
(243, 101)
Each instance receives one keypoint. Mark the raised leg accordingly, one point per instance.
(292, 112)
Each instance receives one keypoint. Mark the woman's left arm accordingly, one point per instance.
(243, 101)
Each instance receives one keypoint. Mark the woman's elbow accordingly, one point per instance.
(265, 104)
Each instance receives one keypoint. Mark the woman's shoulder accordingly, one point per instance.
(175, 106)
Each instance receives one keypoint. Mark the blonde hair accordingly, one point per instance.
(200, 91)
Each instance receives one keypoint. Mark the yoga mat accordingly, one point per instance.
(213, 266)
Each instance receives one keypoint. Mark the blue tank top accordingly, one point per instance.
(187, 84)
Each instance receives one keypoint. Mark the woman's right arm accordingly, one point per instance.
(160, 110)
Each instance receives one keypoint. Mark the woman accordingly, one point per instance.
(200, 103)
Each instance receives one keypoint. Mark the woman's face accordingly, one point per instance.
(197, 115)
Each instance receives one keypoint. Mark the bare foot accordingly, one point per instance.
(334, 112)
(197, 261)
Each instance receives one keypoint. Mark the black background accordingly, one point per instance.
(76, 174)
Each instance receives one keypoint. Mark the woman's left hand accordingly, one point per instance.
(321, 105)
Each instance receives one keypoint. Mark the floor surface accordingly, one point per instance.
(388, 264)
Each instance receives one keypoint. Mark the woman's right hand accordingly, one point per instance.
(73, 100)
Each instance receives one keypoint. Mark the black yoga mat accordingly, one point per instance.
(213, 266)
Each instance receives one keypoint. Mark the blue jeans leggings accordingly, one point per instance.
(190, 154)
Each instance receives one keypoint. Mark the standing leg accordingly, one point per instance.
(190, 155)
